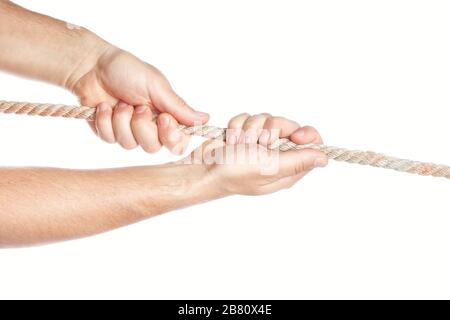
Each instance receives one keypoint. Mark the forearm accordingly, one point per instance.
(44, 48)
(45, 205)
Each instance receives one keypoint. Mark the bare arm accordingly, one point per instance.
(40, 205)
(44, 48)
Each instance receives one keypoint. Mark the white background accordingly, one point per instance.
(368, 74)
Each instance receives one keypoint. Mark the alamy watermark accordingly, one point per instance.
(245, 151)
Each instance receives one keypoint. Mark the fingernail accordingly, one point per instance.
(141, 109)
(320, 162)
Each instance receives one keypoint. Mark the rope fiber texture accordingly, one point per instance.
(339, 154)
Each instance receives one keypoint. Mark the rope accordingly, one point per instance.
(339, 154)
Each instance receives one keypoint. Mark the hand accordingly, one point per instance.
(128, 94)
(244, 165)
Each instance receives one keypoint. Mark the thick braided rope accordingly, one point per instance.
(339, 154)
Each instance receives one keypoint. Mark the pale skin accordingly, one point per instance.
(59, 204)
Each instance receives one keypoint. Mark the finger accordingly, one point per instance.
(296, 162)
(145, 130)
(90, 122)
(166, 100)
(92, 126)
(235, 128)
(103, 123)
(122, 115)
(253, 127)
(306, 135)
(87, 101)
(170, 136)
(280, 127)
(284, 183)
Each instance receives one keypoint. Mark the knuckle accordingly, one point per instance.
(237, 120)
(101, 113)
(255, 121)
(269, 123)
(101, 106)
(275, 122)
(244, 115)
(233, 124)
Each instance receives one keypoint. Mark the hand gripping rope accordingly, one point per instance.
(339, 154)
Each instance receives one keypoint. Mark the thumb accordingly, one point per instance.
(168, 101)
(293, 163)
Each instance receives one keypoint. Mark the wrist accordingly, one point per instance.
(192, 184)
(175, 186)
(93, 49)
